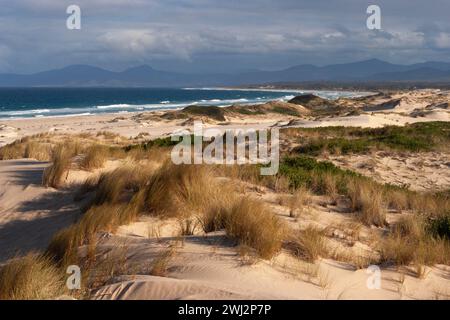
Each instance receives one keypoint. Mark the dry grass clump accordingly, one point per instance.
(11, 151)
(326, 184)
(297, 202)
(159, 265)
(118, 200)
(308, 244)
(395, 249)
(187, 226)
(107, 218)
(189, 190)
(405, 251)
(252, 174)
(398, 200)
(38, 151)
(214, 218)
(108, 135)
(89, 185)
(432, 205)
(32, 277)
(400, 246)
(120, 184)
(28, 147)
(367, 200)
(411, 226)
(359, 260)
(155, 155)
(99, 271)
(95, 157)
(61, 160)
(428, 204)
(410, 243)
(180, 190)
(252, 224)
(277, 183)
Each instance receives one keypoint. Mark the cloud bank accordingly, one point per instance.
(218, 36)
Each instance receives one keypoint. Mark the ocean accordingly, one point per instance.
(52, 102)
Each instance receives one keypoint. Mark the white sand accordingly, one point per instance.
(29, 213)
(208, 267)
(426, 171)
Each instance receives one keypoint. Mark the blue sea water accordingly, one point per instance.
(48, 102)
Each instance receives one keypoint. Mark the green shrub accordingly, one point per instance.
(440, 227)
(314, 175)
(427, 136)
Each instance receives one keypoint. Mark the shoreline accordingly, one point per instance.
(123, 124)
(392, 109)
(362, 93)
(167, 105)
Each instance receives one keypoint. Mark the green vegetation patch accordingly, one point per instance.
(287, 111)
(307, 172)
(428, 136)
(147, 145)
(216, 113)
(439, 227)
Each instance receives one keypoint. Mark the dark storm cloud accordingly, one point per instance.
(212, 35)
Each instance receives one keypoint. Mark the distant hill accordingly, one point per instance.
(420, 74)
(146, 76)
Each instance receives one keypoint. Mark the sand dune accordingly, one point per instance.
(203, 268)
(209, 265)
(431, 171)
(29, 213)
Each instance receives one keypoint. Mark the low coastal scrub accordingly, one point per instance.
(317, 176)
(252, 174)
(369, 200)
(215, 113)
(155, 143)
(212, 112)
(440, 227)
(32, 277)
(425, 136)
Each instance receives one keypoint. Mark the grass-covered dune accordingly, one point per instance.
(424, 136)
(146, 184)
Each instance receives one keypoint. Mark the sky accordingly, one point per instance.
(207, 36)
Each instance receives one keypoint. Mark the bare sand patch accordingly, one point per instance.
(423, 171)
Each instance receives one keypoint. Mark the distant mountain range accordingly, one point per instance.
(145, 76)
